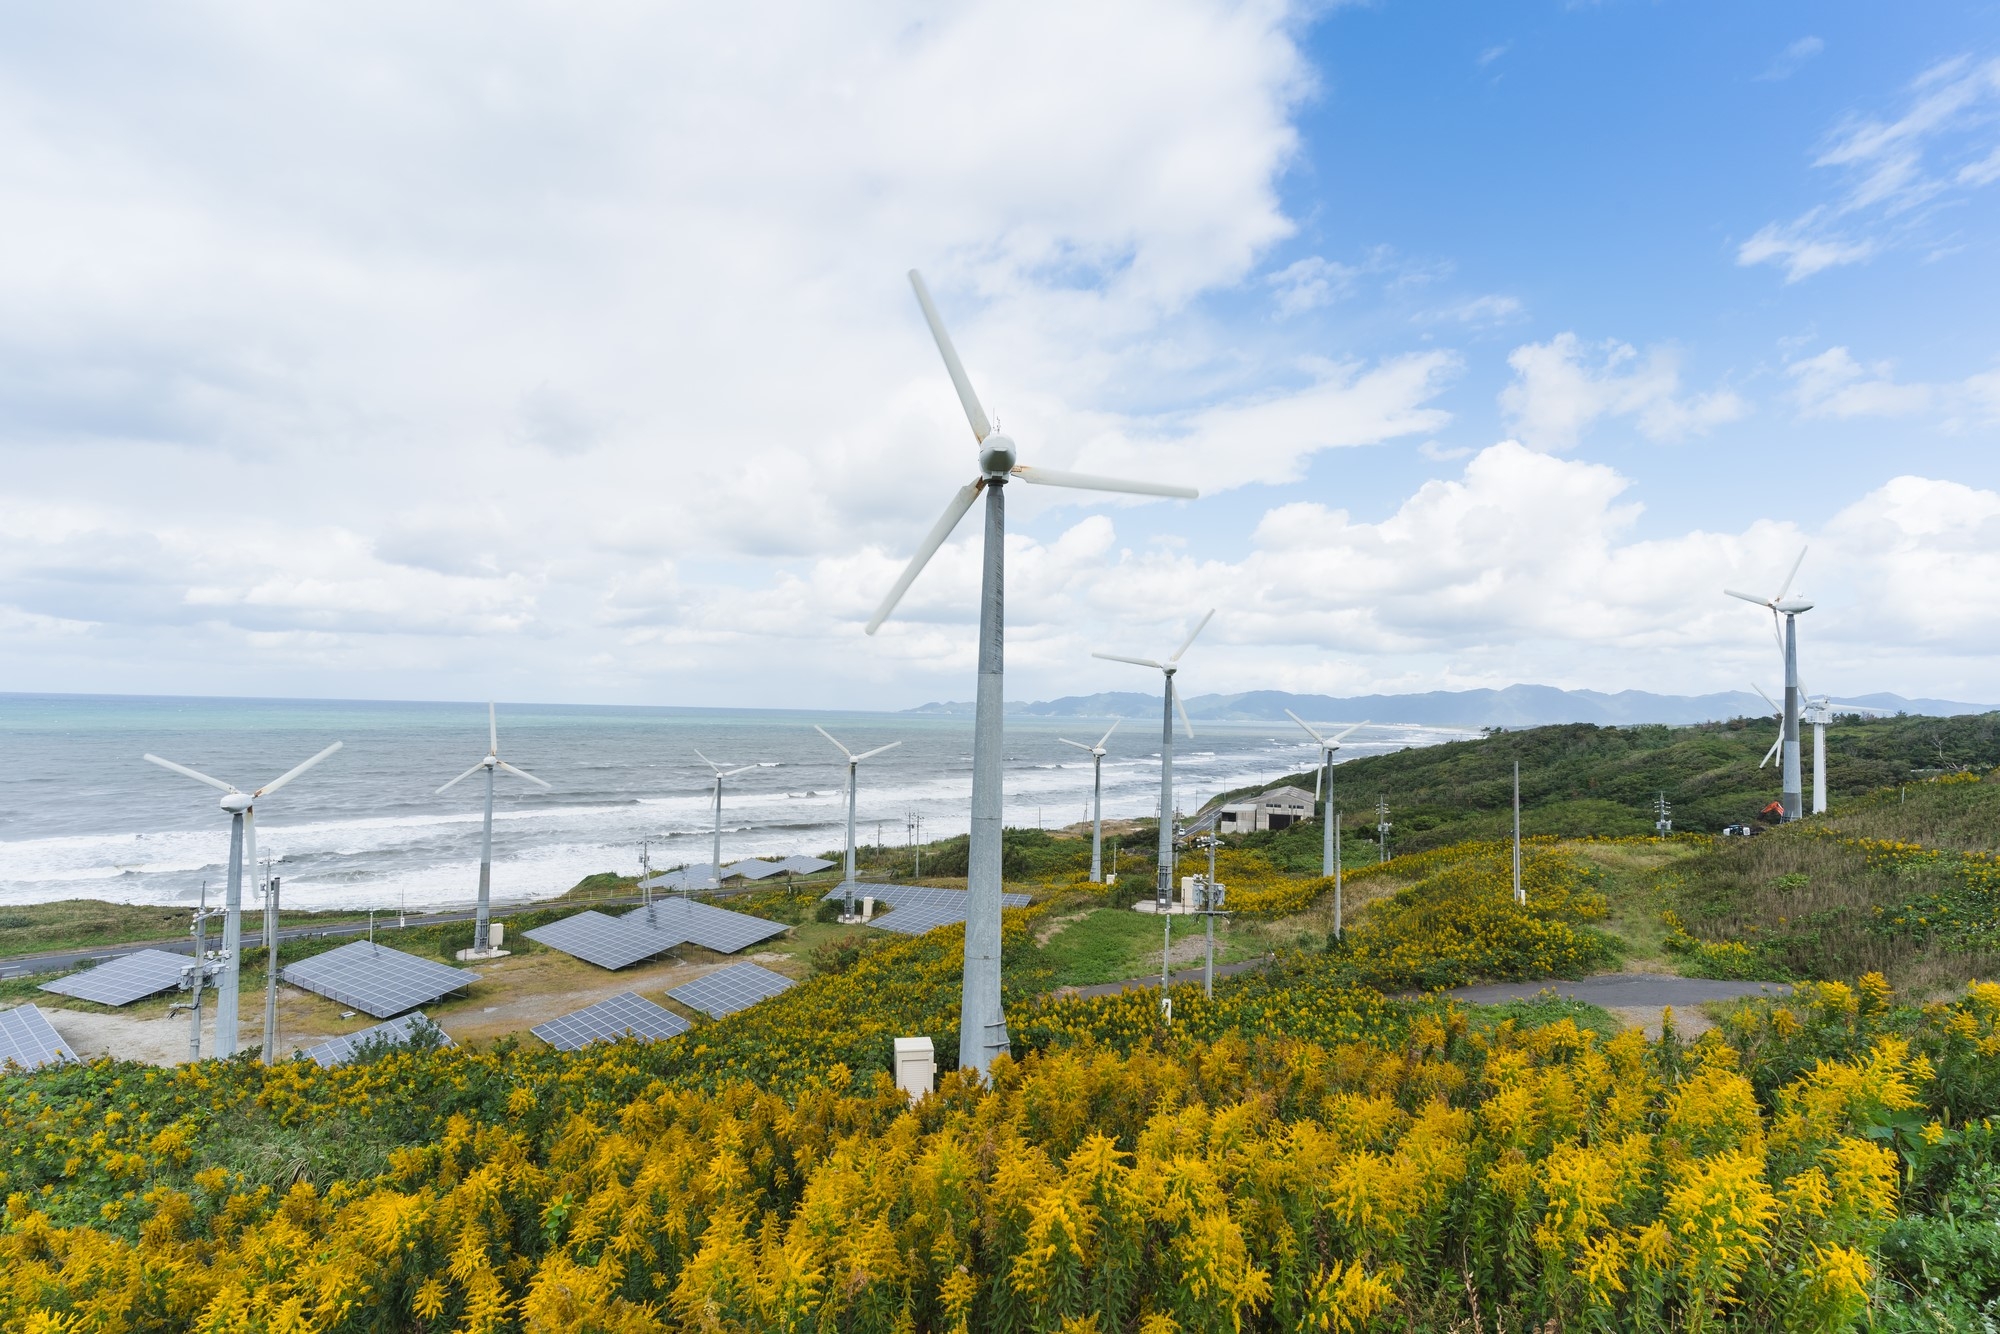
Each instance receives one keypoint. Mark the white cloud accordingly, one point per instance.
(1942, 139)
(1562, 387)
(1834, 384)
(1310, 283)
(1789, 60)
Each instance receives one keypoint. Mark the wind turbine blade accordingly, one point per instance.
(1310, 730)
(1342, 736)
(1319, 771)
(460, 779)
(975, 414)
(195, 774)
(492, 731)
(836, 745)
(1139, 662)
(731, 773)
(1770, 754)
(707, 761)
(1750, 597)
(1790, 575)
(1767, 699)
(1185, 720)
(1078, 744)
(953, 512)
(283, 779)
(1107, 734)
(523, 773)
(877, 751)
(1083, 481)
(1188, 643)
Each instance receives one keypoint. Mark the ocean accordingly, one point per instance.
(83, 816)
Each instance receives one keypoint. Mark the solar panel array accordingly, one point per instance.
(127, 978)
(28, 1039)
(608, 942)
(752, 868)
(624, 1015)
(375, 979)
(803, 865)
(711, 928)
(699, 876)
(727, 990)
(396, 1032)
(915, 909)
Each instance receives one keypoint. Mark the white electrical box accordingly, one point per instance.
(868, 911)
(495, 933)
(916, 1066)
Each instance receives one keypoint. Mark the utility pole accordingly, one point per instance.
(1382, 824)
(271, 972)
(1336, 876)
(1211, 908)
(1664, 824)
(1520, 894)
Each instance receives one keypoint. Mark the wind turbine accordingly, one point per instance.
(1778, 714)
(1163, 892)
(1788, 641)
(715, 856)
(1327, 745)
(482, 924)
(242, 849)
(1097, 801)
(982, 1029)
(1820, 711)
(853, 765)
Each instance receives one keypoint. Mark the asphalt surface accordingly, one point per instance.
(253, 936)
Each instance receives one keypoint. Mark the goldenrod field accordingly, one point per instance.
(1300, 1152)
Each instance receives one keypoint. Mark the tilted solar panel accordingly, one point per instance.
(730, 989)
(122, 980)
(699, 876)
(375, 979)
(28, 1039)
(624, 1015)
(396, 1032)
(912, 910)
(803, 865)
(608, 942)
(711, 928)
(752, 868)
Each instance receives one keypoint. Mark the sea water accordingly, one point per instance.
(83, 816)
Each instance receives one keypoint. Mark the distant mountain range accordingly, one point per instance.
(1515, 706)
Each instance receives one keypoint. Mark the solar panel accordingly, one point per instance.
(727, 990)
(396, 1032)
(699, 876)
(915, 909)
(711, 928)
(803, 865)
(752, 868)
(375, 979)
(28, 1039)
(624, 1015)
(127, 978)
(608, 942)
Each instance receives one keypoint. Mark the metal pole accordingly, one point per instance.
(1819, 768)
(847, 886)
(482, 928)
(1208, 902)
(1336, 875)
(200, 973)
(1520, 895)
(715, 853)
(1382, 825)
(1097, 819)
(1326, 820)
(271, 972)
(232, 940)
(1163, 892)
(982, 1024)
(1794, 805)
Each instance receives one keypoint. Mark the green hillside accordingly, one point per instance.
(1581, 779)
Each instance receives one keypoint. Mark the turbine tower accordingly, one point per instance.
(1096, 801)
(242, 850)
(1170, 701)
(483, 922)
(715, 854)
(1788, 641)
(982, 1029)
(1327, 745)
(853, 764)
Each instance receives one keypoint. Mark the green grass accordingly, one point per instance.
(1116, 944)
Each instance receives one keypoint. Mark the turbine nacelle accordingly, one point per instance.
(236, 802)
(1792, 606)
(996, 457)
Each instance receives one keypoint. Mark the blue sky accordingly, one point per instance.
(502, 350)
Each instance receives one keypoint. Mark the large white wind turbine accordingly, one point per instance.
(1096, 799)
(1788, 641)
(482, 924)
(853, 765)
(1323, 782)
(1820, 711)
(982, 1030)
(242, 851)
(715, 856)
(1163, 890)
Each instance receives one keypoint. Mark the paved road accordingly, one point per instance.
(1623, 989)
(253, 935)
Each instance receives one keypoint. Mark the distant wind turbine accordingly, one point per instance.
(1164, 889)
(1096, 800)
(242, 851)
(982, 1028)
(482, 928)
(715, 856)
(1327, 746)
(853, 764)
(1788, 643)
